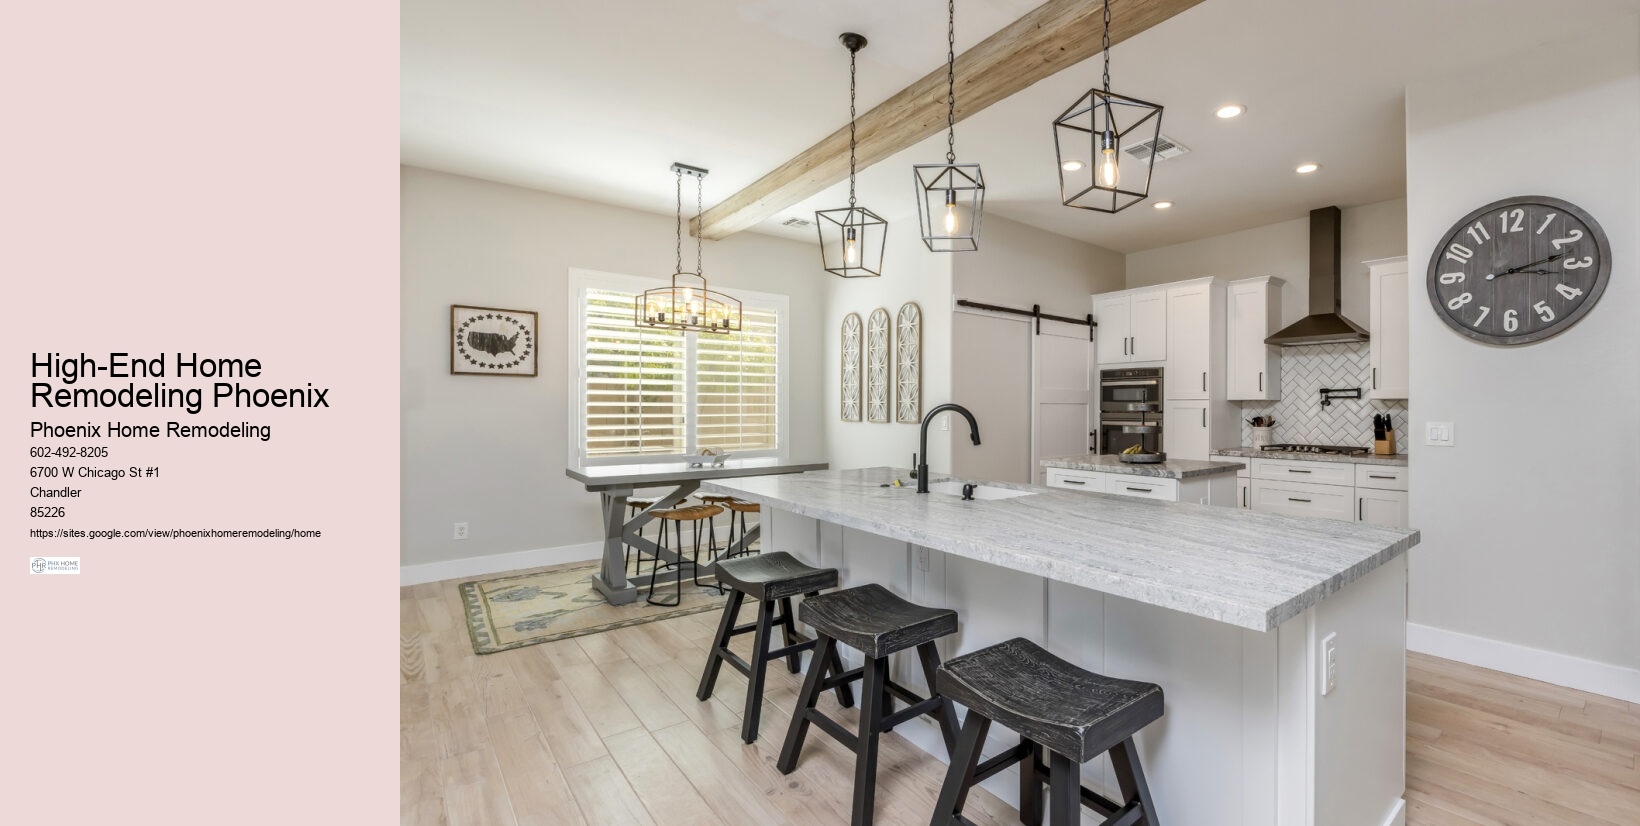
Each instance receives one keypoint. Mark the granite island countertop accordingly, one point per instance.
(1170, 469)
(1252, 570)
(1399, 459)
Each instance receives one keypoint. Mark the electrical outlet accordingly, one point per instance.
(1329, 663)
(461, 530)
(1438, 434)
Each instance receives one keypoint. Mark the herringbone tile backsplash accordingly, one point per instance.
(1299, 416)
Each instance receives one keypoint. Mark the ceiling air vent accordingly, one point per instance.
(1163, 148)
(796, 222)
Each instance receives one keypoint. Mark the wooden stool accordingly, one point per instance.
(711, 524)
(739, 509)
(636, 507)
(769, 578)
(1073, 713)
(873, 620)
(678, 516)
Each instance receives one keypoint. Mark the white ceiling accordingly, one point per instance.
(596, 99)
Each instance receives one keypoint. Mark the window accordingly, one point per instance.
(645, 393)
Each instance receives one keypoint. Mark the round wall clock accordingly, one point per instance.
(1519, 270)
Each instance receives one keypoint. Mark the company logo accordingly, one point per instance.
(54, 565)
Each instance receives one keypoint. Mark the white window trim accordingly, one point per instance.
(579, 281)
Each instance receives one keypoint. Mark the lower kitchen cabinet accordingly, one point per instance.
(1381, 507)
(1304, 499)
(1206, 490)
(1244, 491)
(1374, 494)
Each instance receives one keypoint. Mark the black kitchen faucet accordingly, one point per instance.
(922, 440)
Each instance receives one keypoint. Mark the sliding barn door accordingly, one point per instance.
(1064, 380)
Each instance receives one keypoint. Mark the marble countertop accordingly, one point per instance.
(1364, 459)
(1253, 570)
(1170, 469)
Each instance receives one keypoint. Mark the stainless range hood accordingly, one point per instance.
(1324, 324)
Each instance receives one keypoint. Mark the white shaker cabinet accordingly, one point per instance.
(1387, 295)
(1253, 368)
(1381, 507)
(1187, 429)
(1132, 326)
(1371, 493)
(1195, 334)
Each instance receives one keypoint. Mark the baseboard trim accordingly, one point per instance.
(498, 563)
(1548, 666)
(1397, 815)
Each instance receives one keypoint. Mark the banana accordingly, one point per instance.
(1135, 449)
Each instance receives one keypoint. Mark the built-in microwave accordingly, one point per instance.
(1119, 390)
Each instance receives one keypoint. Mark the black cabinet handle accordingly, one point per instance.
(1375, 476)
(1204, 382)
(1244, 497)
(1204, 417)
(1074, 482)
(1294, 470)
(1360, 509)
(1375, 378)
(1141, 490)
(1261, 381)
(1296, 499)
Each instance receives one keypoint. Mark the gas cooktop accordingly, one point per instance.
(1337, 450)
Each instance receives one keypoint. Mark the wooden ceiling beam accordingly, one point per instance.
(1052, 37)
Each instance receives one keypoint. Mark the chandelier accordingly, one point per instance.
(687, 304)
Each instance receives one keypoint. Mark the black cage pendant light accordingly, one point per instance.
(687, 304)
(851, 239)
(950, 196)
(1104, 142)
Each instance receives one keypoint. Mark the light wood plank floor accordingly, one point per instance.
(605, 729)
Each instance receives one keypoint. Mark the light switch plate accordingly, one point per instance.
(1438, 434)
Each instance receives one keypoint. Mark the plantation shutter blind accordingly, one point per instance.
(737, 385)
(636, 396)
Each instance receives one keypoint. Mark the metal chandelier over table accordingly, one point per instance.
(950, 196)
(687, 304)
(851, 239)
(1092, 139)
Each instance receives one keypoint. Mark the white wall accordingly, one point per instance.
(491, 451)
(1368, 232)
(1016, 266)
(1528, 524)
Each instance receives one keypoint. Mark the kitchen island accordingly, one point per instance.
(1227, 610)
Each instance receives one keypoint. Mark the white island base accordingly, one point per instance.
(1247, 737)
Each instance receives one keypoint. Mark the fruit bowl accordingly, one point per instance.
(1142, 458)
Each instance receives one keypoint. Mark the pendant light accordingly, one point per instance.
(851, 239)
(950, 196)
(1091, 140)
(687, 304)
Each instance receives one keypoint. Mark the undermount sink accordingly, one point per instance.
(980, 491)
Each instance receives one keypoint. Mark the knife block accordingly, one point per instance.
(1384, 446)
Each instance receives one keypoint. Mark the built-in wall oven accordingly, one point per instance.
(1118, 391)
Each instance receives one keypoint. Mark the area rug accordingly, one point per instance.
(517, 610)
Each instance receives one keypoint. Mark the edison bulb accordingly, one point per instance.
(1109, 174)
(851, 251)
(950, 212)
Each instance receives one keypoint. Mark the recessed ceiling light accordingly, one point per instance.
(1307, 168)
(1072, 166)
(1163, 205)
(1230, 110)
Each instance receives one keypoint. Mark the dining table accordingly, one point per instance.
(616, 482)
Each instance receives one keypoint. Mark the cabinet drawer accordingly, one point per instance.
(1321, 473)
(1087, 480)
(1304, 499)
(1381, 477)
(1143, 487)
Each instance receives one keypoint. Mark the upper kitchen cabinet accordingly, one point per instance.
(1387, 292)
(1253, 367)
(1195, 340)
(1132, 326)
